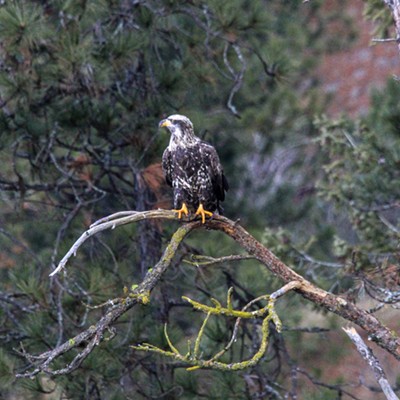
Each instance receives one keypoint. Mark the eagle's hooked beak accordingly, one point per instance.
(164, 123)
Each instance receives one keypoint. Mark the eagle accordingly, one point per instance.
(193, 169)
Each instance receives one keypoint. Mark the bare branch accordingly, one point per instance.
(377, 40)
(312, 260)
(22, 244)
(394, 6)
(337, 388)
(373, 362)
(206, 261)
(238, 77)
(111, 222)
(379, 333)
(193, 358)
(93, 335)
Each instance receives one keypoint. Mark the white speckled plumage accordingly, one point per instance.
(192, 167)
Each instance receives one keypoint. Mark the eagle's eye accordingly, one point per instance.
(180, 124)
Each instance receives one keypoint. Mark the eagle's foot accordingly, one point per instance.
(182, 210)
(201, 211)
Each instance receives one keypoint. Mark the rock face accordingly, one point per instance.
(349, 75)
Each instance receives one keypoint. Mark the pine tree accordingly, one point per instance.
(82, 87)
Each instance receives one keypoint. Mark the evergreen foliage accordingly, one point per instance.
(83, 85)
(379, 12)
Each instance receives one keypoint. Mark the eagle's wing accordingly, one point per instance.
(218, 179)
(167, 166)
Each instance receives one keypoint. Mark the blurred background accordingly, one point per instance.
(302, 106)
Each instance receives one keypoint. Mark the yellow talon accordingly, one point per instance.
(182, 210)
(201, 211)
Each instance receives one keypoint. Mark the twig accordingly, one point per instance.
(238, 77)
(111, 222)
(205, 261)
(394, 6)
(321, 263)
(337, 388)
(93, 335)
(22, 244)
(274, 296)
(377, 40)
(389, 224)
(192, 358)
(380, 334)
(373, 362)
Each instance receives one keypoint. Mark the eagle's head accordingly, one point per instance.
(181, 129)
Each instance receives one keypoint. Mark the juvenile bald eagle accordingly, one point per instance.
(192, 167)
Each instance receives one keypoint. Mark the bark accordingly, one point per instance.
(377, 332)
(373, 362)
(93, 335)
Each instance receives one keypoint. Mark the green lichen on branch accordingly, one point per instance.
(192, 357)
(141, 292)
(228, 310)
(143, 297)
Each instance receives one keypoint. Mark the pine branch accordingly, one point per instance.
(394, 6)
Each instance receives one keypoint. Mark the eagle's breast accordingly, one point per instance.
(187, 166)
(192, 168)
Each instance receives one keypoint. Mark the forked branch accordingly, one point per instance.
(97, 333)
(193, 357)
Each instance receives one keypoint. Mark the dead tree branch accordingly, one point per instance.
(372, 361)
(377, 332)
(394, 6)
(195, 360)
(94, 335)
(111, 222)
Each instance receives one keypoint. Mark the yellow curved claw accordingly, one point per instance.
(182, 210)
(201, 211)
